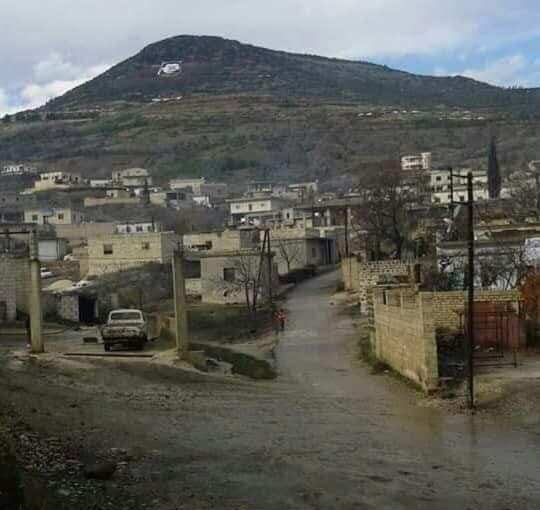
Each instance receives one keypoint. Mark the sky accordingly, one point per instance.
(48, 47)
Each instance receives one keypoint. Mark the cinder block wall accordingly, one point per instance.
(360, 276)
(405, 335)
(447, 305)
(8, 288)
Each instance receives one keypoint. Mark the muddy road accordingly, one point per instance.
(326, 434)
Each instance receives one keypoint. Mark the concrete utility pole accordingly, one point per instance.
(180, 306)
(36, 317)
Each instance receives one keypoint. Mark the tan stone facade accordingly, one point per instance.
(118, 252)
(447, 305)
(405, 335)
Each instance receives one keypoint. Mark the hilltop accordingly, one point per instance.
(216, 66)
(210, 106)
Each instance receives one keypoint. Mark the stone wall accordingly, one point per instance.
(405, 335)
(75, 234)
(447, 305)
(359, 276)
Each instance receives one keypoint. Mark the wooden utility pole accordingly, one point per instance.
(180, 305)
(469, 348)
(470, 297)
(269, 260)
(35, 311)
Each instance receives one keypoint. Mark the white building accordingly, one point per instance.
(441, 190)
(141, 227)
(58, 180)
(416, 162)
(8, 170)
(256, 211)
(100, 183)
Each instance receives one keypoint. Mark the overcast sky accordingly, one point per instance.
(49, 46)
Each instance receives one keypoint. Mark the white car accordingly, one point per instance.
(45, 273)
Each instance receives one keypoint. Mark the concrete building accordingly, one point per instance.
(139, 227)
(416, 162)
(117, 252)
(113, 196)
(176, 199)
(256, 211)
(132, 177)
(297, 248)
(188, 184)
(441, 191)
(54, 216)
(224, 276)
(203, 192)
(58, 180)
(17, 169)
(225, 240)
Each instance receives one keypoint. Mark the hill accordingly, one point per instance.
(212, 65)
(214, 107)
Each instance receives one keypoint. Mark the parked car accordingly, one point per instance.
(127, 328)
(45, 273)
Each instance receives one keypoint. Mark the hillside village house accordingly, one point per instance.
(218, 262)
(18, 169)
(54, 216)
(256, 211)
(175, 199)
(417, 162)
(202, 192)
(58, 180)
(132, 177)
(139, 227)
(440, 186)
(117, 252)
(297, 248)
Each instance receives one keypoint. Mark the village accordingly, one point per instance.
(423, 274)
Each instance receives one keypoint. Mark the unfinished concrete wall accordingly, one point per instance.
(21, 269)
(8, 289)
(447, 305)
(405, 335)
(359, 276)
(83, 231)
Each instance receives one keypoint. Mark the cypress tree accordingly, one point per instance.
(493, 174)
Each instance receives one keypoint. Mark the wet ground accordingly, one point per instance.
(326, 434)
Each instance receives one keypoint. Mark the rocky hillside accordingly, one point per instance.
(212, 65)
(214, 107)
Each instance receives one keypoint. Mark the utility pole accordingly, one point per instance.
(469, 349)
(470, 311)
(270, 279)
(35, 311)
(180, 307)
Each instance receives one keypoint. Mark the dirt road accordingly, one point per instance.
(327, 434)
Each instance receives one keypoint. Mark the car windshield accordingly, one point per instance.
(125, 316)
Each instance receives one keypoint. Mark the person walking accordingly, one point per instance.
(281, 317)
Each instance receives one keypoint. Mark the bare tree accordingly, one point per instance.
(385, 213)
(243, 275)
(290, 250)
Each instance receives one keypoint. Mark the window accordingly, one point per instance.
(34, 217)
(439, 178)
(128, 229)
(461, 198)
(250, 207)
(313, 252)
(60, 216)
(149, 228)
(108, 249)
(145, 246)
(229, 274)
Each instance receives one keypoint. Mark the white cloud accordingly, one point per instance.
(506, 71)
(47, 83)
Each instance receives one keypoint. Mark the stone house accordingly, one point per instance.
(256, 210)
(54, 216)
(132, 177)
(58, 180)
(118, 252)
(297, 248)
